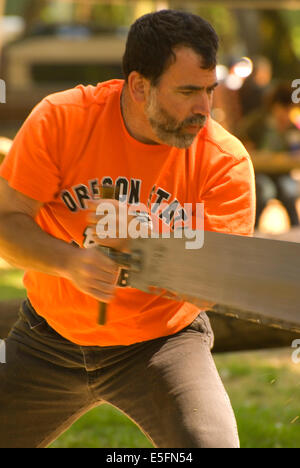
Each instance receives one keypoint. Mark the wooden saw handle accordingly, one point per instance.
(105, 192)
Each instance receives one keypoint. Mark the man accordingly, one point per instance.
(153, 138)
(8, 309)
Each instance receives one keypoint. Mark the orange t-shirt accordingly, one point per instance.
(75, 140)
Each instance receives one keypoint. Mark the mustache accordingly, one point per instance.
(168, 124)
(173, 129)
(195, 120)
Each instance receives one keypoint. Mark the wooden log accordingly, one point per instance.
(233, 334)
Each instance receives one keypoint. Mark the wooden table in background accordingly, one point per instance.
(275, 163)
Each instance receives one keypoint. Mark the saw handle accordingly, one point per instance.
(105, 192)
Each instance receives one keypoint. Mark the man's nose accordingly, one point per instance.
(202, 105)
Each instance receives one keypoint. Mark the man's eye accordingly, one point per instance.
(186, 93)
(211, 90)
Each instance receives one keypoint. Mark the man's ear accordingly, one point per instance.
(138, 87)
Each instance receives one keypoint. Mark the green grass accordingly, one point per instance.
(11, 285)
(264, 388)
(103, 427)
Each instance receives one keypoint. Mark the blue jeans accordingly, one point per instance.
(169, 386)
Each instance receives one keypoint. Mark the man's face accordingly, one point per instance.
(178, 107)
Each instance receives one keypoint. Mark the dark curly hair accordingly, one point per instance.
(153, 37)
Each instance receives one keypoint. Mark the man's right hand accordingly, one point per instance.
(25, 245)
(93, 273)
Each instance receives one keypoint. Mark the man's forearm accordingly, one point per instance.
(25, 245)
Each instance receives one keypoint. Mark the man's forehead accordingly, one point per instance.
(188, 67)
(187, 53)
(187, 71)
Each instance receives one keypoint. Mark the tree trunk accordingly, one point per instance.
(32, 12)
(2, 11)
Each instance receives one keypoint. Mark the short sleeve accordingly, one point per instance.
(31, 167)
(229, 204)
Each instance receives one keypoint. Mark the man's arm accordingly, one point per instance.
(24, 244)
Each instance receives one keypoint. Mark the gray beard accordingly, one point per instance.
(167, 129)
(171, 138)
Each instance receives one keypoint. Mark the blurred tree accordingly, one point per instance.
(253, 31)
(293, 19)
(225, 24)
(29, 9)
(277, 44)
(16, 7)
(268, 33)
(32, 12)
(248, 28)
(112, 15)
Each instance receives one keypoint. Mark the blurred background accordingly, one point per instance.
(51, 45)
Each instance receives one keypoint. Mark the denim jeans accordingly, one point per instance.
(168, 386)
